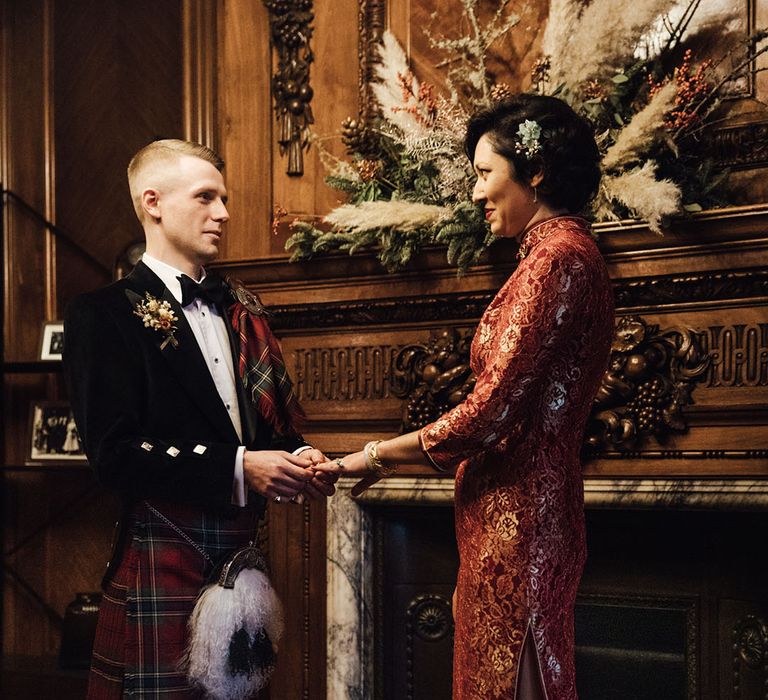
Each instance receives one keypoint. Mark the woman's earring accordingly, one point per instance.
(535, 194)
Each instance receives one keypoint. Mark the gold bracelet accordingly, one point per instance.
(373, 461)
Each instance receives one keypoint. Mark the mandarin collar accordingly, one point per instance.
(543, 229)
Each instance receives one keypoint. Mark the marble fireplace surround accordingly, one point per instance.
(349, 566)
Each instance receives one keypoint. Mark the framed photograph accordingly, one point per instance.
(52, 340)
(53, 436)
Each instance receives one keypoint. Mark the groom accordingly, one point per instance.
(185, 408)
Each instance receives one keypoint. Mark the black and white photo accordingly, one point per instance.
(52, 340)
(53, 435)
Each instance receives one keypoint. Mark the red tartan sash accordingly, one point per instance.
(262, 370)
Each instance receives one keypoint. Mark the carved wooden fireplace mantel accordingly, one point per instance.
(343, 320)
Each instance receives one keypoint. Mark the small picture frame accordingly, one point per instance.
(52, 340)
(53, 436)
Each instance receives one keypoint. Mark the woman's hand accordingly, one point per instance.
(354, 465)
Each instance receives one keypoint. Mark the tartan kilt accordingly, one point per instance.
(142, 629)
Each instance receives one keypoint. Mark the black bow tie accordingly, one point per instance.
(212, 290)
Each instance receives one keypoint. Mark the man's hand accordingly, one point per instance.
(276, 473)
(322, 484)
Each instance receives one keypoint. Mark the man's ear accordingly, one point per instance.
(150, 203)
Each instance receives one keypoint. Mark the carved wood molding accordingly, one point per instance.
(428, 618)
(650, 378)
(649, 381)
(738, 358)
(372, 21)
(433, 377)
(199, 71)
(739, 355)
(694, 288)
(381, 311)
(344, 373)
(750, 651)
(684, 454)
(740, 147)
(291, 25)
(691, 288)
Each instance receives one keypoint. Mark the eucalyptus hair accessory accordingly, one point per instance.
(528, 141)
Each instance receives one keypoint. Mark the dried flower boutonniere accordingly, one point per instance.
(159, 316)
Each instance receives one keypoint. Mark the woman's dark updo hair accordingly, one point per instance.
(568, 158)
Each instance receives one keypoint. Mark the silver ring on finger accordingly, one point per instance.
(339, 462)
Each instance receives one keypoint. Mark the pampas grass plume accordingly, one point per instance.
(599, 40)
(644, 195)
(388, 92)
(636, 138)
(381, 214)
(563, 17)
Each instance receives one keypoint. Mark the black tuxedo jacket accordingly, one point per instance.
(151, 420)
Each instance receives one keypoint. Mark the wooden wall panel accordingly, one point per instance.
(333, 78)
(199, 49)
(26, 159)
(510, 58)
(296, 542)
(84, 85)
(114, 93)
(245, 126)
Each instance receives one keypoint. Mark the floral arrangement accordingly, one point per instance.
(636, 76)
(159, 316)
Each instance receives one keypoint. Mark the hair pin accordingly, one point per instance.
(528, 138)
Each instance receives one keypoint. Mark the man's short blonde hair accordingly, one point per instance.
(158, 154)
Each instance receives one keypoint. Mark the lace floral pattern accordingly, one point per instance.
(538, 354)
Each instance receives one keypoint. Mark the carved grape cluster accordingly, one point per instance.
(290, 35)
(283, 7)
(422, 410)
(291, 23)
(648, 382)
(294, 94)
(646, 406)
(434, 377)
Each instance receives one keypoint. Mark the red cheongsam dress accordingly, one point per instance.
(539, 353)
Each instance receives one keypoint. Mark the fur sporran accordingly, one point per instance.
(234, 630)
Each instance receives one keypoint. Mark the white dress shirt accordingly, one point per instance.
(207, 324)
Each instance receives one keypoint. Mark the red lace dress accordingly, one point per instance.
(539, 353)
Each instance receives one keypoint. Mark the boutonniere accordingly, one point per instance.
(157, 315)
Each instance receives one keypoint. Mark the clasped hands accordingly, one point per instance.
(282, 476)
(279, 475)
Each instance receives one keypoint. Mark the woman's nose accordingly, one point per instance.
(478, 192)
